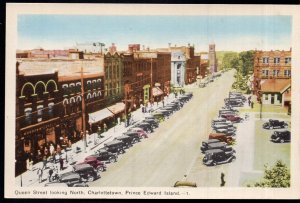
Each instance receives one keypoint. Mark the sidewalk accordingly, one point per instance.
(30, 178)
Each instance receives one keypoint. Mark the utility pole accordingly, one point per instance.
(126, 90)
(83, 110)
(151, 85)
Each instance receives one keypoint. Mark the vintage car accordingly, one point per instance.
(159, 116)
(140, 131)
(281, 136)
(167, 113)
(234, 103)
(86, 172)
(145, 126)
(93, 161)
(177, 102)
(207, 142)
(275, 124)
(134, 135)
(233, 118)
(225, 112)
(221, 137)
(214, 157)
(218, 145)
(127, 140)
(174, 106)
(227, 126)
(153, 122)
(220, 121)
(114, 146)
(170, 108)
(185, 184)
(103, 155)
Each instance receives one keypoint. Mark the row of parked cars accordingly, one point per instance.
(91, 167)
(278, 136)
(217, 148)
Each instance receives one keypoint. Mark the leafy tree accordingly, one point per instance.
(227, 60)
(246, 58)
(278, 176)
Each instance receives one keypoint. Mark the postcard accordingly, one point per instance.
(152, 101)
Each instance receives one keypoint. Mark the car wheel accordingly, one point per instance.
(282, 141)
(90, 179)
(214, 163)
(100, 168)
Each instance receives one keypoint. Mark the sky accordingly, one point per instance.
(229, 33)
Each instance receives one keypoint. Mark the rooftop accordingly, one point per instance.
(275, 85)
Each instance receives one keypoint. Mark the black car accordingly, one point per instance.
(165, 112)
(152, 122)
(274, 124)
(86, 172)
(134, 135)
(127, 140)
(70, 179)
(215, 145)
(234, 103)
(103, 155)
(145, 126)
(114, 146)
(281, 136)
(177, 102)
(173, 106)
(205, 144)
(217, 156)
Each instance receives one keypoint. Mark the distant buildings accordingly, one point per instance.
(212, 58)
(272, 76)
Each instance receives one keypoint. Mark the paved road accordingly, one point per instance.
(169, 153)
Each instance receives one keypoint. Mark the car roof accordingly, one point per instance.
(213, 151)
(79, 167)
(70, 174)
(130, 132)
(113, 142)
(122, 137)
(211, 141)
(217, 144)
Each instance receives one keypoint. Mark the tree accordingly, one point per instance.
(227, 60)
(278, 176)
(246, 58)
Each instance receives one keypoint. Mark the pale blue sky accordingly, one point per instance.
(227, 32)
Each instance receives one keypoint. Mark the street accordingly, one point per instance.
(170, 152)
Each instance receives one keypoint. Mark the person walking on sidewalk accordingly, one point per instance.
(40, 174)
(44, 162)
(61, 163)
(50, 173)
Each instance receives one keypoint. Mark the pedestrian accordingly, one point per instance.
(44, 162)
(50, 173)
(119, 121)
(252, 104)
(51, 148)
(40, 174)
(163, 103)
(222, 180)
(54, 156)
(105, 127)
(61, 163)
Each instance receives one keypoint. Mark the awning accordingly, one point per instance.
(117, 108)
(99, 115)
(157, 91)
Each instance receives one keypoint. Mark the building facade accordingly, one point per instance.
(271, 65)
(212, 59)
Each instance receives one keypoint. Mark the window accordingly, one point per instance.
(40, 113)
(267, 72)
(65, 89)
(50, 109)
(287, 60)
(265, 60)
(266, 97)
(276, 60)
(287, 73)
(28, 116)
(274, 72)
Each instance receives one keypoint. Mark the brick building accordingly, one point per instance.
(272, 74)
(48, 104)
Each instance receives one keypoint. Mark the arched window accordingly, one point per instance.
(40, 113)
(28, 116)
(89, 96)
(72, 88)
(78, 87)
(99, 94)
(65, 89)
(50, 109)
(89, 85)
(94, 95)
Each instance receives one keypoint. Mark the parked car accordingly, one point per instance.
(227, 132)
(71, 179)
(281, 136)
(219, 120)
(227, 112)
(165, 112)
(86, 172)
(217, 156)
(222, 137)
(134, 135)
(233, 118)
(224, 126)
(93, 161)
(127, 140)
(218, 145)
(234, 103)
(177, 102)
(145, 126)
(207, 142)
(171, 108)
(274, 124)
(103, 155)
(159, 116)
(140, 131)
(152, 122)
(114, 146)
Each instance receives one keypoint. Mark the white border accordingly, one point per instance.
(134, 9)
